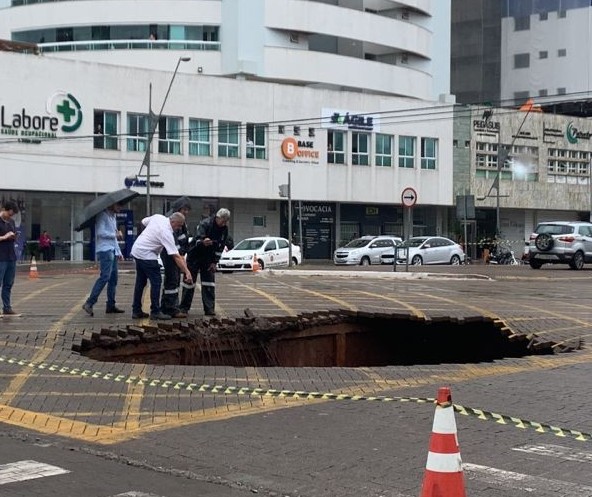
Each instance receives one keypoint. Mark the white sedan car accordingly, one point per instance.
(270, 251)
(427, 250)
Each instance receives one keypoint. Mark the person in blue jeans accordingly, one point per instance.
(157, 235)
(107, 253)
(7, 253)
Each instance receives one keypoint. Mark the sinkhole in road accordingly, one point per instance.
(323, 339)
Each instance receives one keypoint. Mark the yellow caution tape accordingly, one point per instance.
(304, 395)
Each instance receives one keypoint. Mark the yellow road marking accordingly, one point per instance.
(36, 293)
(418, 313)
(478, 309)
(157, 421)
(17, 383)
(335, 300)
(133, 399)
(271, 298)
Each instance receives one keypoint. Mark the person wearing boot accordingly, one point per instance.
(210, 239)
(169, 303)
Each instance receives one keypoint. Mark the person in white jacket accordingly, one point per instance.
(157, 234)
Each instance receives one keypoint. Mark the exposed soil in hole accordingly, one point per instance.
(321, 339)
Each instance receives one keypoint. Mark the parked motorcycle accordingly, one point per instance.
(502, 255)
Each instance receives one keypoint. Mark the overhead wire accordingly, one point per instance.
(416, 114)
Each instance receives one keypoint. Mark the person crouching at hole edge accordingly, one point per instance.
(208, 244)
(169, 303)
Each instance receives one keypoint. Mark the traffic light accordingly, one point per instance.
(284, 191)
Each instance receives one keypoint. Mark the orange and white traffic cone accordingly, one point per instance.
(33, 274)
(255, 264)
(444, 474)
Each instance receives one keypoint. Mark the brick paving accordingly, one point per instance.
(284, 446)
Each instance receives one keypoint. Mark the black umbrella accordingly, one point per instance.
(86, 217)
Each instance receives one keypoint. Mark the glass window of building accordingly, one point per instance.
(200, 139)
(407, 151)
(228, 139)
(429, 153)
(128, 36)
(336, 147)
(522, 23)
(383, 152)
(256, 141)
(137, 131)
(169, 135)
(105, 130)
(521, 60)
(360, 149)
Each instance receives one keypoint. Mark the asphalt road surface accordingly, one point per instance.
(71, 426)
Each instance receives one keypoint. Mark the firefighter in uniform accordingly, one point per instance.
(208, 244)
(172, 274)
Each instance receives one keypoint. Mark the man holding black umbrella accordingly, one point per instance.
(107, 254)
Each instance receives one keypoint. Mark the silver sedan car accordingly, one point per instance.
(427, 250)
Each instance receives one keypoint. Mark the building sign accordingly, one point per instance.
(132, 181)
(346, 119)
(316, 213)
(62, 113)
(525, 135)
(299, 151)
(551, 133)
(573, 134)
(486, 127)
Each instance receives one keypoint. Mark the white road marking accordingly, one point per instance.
(557, 451)
(27, 470)
(136, 494)
(535, 485)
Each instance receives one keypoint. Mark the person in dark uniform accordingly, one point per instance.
(170, 294)
(208, 244)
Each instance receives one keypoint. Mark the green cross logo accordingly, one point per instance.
(571, 133)
(71, 113)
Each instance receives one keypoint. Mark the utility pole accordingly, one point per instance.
(290, 219)
(286, 192)
(152, 123)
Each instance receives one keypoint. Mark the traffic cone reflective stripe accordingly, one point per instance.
(443, 475)
(33, 275)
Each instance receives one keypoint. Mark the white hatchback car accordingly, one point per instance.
(365, 250)
(271, 251)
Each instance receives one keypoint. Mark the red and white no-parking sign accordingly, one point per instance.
(409, 197)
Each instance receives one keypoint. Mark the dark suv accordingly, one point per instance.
(561, 242)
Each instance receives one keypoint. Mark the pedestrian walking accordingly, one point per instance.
(8, 238)
(107, 253)
(45, 246)
(169, 303)
(157, 234)
(208, 244)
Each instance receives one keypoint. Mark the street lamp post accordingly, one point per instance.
(501, 160)
(152, 123)
(590, 187)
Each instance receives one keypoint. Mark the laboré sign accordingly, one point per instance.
(62, 113)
